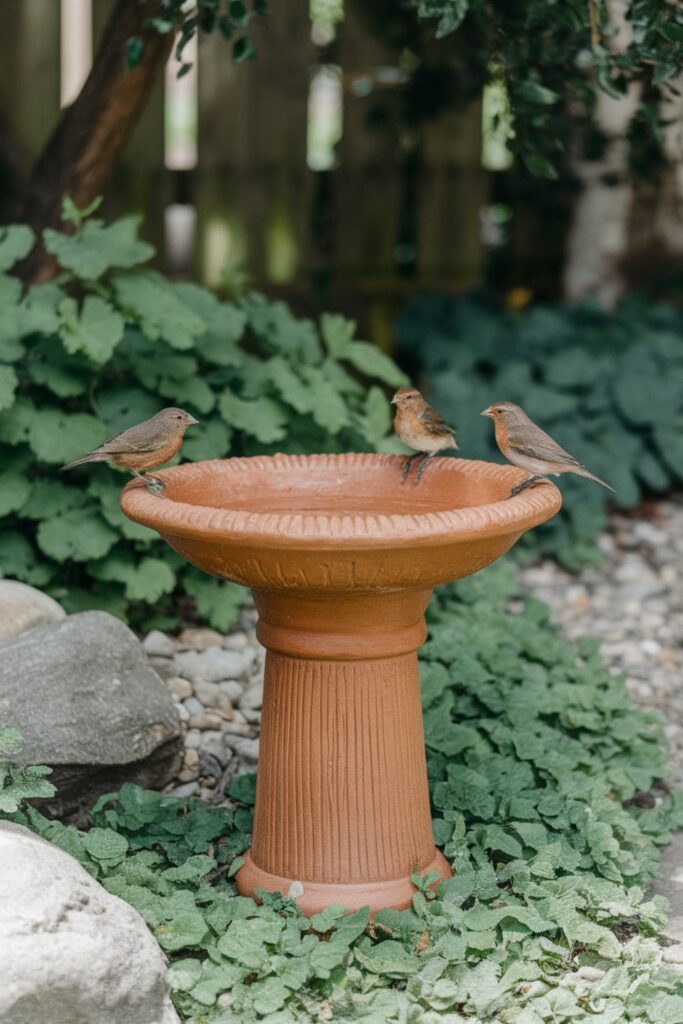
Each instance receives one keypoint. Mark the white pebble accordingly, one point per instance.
(158, 645)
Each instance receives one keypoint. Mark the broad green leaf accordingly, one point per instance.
(328, 407)
(264, 418)
(8, 385)
(58, 378)
(16, 241)
(292, 388)
(158, 308)
(59, 437)
(79, 535)
(217, 600)
(373, 363)
(95, 330)
(210, 441)
(225, 325)
(15, 488)
(98, 247)
(337, 333)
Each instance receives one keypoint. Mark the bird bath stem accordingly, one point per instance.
(341, 560)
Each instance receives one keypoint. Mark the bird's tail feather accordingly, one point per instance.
(91, 457)
(582, 471)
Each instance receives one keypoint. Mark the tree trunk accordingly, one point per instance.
(82, 150)
(598, 236)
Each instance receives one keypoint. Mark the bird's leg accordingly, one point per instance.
(154, 485)
(529, 482)
(407, 464)
(423, 466)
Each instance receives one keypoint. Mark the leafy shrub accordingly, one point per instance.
(608, 387)
(535, 758)
(107, 344)
(18, 784)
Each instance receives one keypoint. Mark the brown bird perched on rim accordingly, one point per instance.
(527, 446)
(144, 446)
(421, 427)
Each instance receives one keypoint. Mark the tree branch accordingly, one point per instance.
(82, 151)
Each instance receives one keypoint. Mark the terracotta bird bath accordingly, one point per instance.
(341, 560)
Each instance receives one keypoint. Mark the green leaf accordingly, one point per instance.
(217, 601)
(79, 535)
(211, 441)
(337, 333)
(328, 407)
(8, 385)
(154, 303)
(16, 241)
(145, 579)
(106, 846)
(15, 489)
(388, 957)
(291, 387)
(242, 50)
(59, 437)
(372, 362)
(98, 248)
(57, 377)
(96, 331)
(264, 418)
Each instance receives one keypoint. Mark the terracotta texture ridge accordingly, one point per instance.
(341, 559)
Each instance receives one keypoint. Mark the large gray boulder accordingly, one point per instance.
(71, 952)
(86, 701)
(23, 607)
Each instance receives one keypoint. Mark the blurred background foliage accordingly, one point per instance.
(493, 194)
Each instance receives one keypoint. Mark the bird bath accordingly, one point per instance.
(341, 560)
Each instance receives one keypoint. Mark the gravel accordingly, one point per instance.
(633, 603)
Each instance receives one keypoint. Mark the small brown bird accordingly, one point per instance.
(144, 446)
(527, 446)
(420, 427)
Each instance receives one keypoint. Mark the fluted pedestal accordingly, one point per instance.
(342, 804)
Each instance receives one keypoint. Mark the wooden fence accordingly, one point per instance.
(386, 218)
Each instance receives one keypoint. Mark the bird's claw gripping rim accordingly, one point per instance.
(154, 485)
(530, 481)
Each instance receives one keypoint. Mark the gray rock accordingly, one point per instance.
(158, 644)
(179, 687)
(184, 790)
(212, 665)
(193, 706)
(87, 703)
(670, 885)
(200, 639)
(23, 607)
(70, 950)
(245, 747)
(232, 690)
(252, 698)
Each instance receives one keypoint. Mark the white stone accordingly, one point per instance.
(673, 955)
(213, 665)
(70, 950)
(158, 645)
(23, 607)
(252, 699)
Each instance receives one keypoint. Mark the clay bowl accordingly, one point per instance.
(341, 559)
(339, 522)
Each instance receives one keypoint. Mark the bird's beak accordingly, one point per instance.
(394, 400)
(191, 421)
(487, 412)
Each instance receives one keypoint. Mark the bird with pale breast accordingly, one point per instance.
(421, 428)
(144, 446)
(527, 446)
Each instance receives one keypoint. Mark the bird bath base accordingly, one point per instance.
(341, 560)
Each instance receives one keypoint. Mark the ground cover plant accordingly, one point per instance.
(541, 775)
(107, 344)
(605, 385)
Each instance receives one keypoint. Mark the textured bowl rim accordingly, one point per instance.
(291, 529)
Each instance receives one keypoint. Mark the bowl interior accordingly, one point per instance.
(336, 487)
